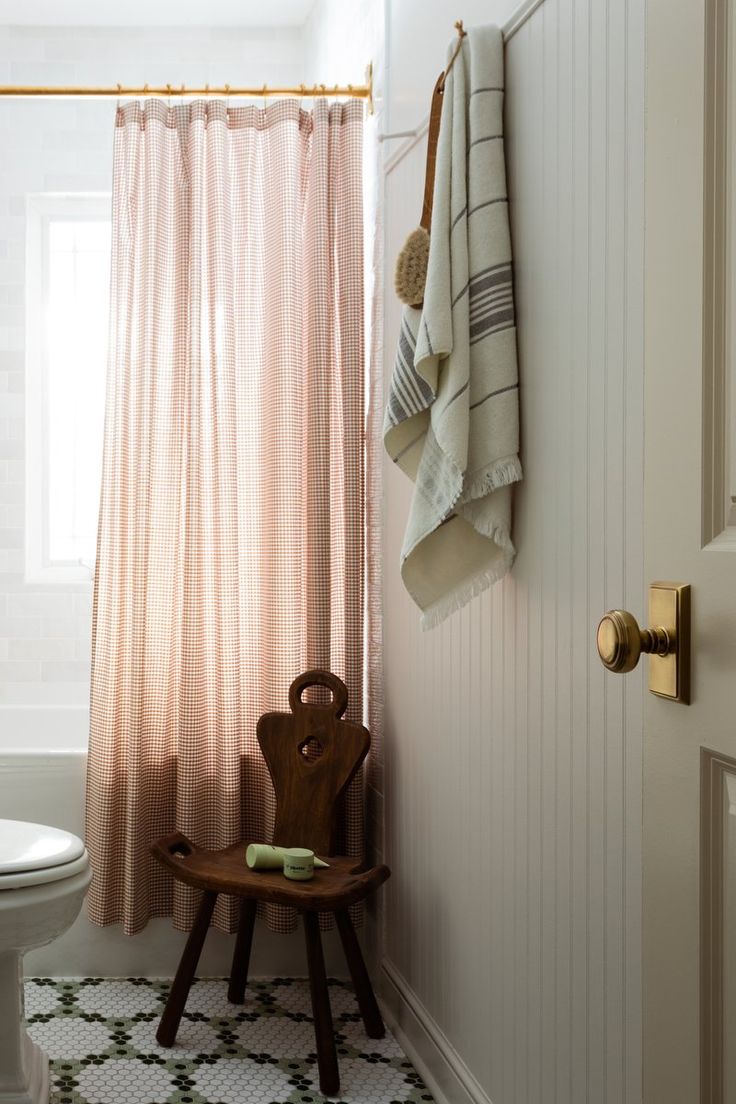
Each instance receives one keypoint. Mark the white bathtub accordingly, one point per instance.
(43, 763)
(43, 759)
(29, 729)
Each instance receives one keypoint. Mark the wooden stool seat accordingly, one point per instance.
(342, 885)
(312, 756)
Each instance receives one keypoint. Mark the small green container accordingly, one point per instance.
(299, 864)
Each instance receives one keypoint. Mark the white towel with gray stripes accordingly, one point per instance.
(452, 419)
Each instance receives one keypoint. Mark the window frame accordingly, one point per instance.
(41, 210)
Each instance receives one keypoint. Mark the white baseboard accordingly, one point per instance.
(423, 1041)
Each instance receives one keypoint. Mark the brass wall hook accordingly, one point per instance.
(369, 84)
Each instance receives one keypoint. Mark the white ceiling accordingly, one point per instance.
(155, 13)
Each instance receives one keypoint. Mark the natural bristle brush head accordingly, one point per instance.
(410, 276)
(412, 263)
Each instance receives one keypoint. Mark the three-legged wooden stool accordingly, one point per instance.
(308, 789)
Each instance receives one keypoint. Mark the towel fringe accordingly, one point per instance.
(499, 474)
(469, 588)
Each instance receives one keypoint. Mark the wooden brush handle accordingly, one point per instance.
(435, 115)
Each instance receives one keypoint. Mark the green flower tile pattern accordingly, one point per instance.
(100, 1035)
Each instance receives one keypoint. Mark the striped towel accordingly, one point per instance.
(452, 419)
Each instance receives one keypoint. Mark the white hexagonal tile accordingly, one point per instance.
(128, 1081)
(40, 998)
(71, 1038)
(122, 1000)
(371, 1084)
(356, 1037)
(191, 1039)
(210, 998)
(231, 1078)
(233, 1082)
(276, 1035)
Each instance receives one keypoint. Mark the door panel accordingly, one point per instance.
(685, 508)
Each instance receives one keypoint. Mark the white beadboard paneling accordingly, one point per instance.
(513, 761)
(421, 30)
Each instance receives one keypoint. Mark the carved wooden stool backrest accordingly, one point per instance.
(312, 756)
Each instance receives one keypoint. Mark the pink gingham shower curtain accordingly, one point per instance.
(231, 547)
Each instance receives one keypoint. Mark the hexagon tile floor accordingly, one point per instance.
(100, 1037)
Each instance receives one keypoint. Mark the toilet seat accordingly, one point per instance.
(26, 879)
(36, 854)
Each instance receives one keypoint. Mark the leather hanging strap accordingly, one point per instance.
(435, 114)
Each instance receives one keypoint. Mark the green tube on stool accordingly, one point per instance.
(266, 856)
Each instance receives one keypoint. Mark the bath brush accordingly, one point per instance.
(410, 274)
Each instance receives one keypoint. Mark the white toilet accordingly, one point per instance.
(44, 875)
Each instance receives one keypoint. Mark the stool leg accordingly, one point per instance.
(182, 983)
(329, 1075)
(241, 954)
(367, 1002)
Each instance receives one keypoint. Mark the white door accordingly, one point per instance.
(689, 850)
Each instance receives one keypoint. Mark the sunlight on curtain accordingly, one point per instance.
(231, 551)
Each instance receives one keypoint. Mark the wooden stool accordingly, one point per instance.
(308, 790)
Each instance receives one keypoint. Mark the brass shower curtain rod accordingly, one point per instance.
(302, 91)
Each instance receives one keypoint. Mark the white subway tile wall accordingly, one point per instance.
(66, 146)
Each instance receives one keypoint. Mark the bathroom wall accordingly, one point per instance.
(419, 32)
(341, 39)
(512, 760)
(66, 146)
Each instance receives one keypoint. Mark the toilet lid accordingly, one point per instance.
(26, 847)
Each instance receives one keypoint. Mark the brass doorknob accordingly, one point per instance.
(621, 641)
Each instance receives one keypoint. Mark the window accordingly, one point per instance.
(67, 301)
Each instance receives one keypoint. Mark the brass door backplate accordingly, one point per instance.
(669, 609)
